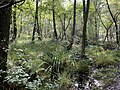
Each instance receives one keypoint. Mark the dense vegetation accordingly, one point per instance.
(59, 44)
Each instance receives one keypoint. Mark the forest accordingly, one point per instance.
(59, 44)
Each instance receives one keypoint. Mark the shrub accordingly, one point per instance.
(105, 58)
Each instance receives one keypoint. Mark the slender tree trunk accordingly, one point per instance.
(97, 21)
(20, 26)
(54, 20)
(40, 26)
(85, 17)
(96, 29)
(33, 35)
(36, 25)
(36, 17)
(74, 25)
(14, 25)
(64, 28)
(41, 21)
(5, 15)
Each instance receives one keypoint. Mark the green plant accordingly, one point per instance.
(64, 80)
(18, 78)
(82, 66)
(105, 58)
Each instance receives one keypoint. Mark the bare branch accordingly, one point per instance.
(12, 2)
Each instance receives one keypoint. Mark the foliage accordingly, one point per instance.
(40, 60)
(83, 67)
(101, 57)
(17, 77)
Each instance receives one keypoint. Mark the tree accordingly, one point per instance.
(74, 25)
(85, 19)
(5, 15)
(36, 25)
(54, 20)
(5, 19)
(114, 20)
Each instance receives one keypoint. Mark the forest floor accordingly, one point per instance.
(104, 64)
(107, 81)
(115, 86)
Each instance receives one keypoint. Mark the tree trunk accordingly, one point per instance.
(85, 17)
(20, 26)
(40, 21)
(64, 27)
(96, 27)
(5, 15)
(74, 25)
(54, 20)
(36, 25)
(14, 25)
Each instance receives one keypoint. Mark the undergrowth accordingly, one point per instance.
(49, 66)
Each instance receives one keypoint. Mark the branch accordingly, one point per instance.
(11, 3)
(61, 20)
(68, 23)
